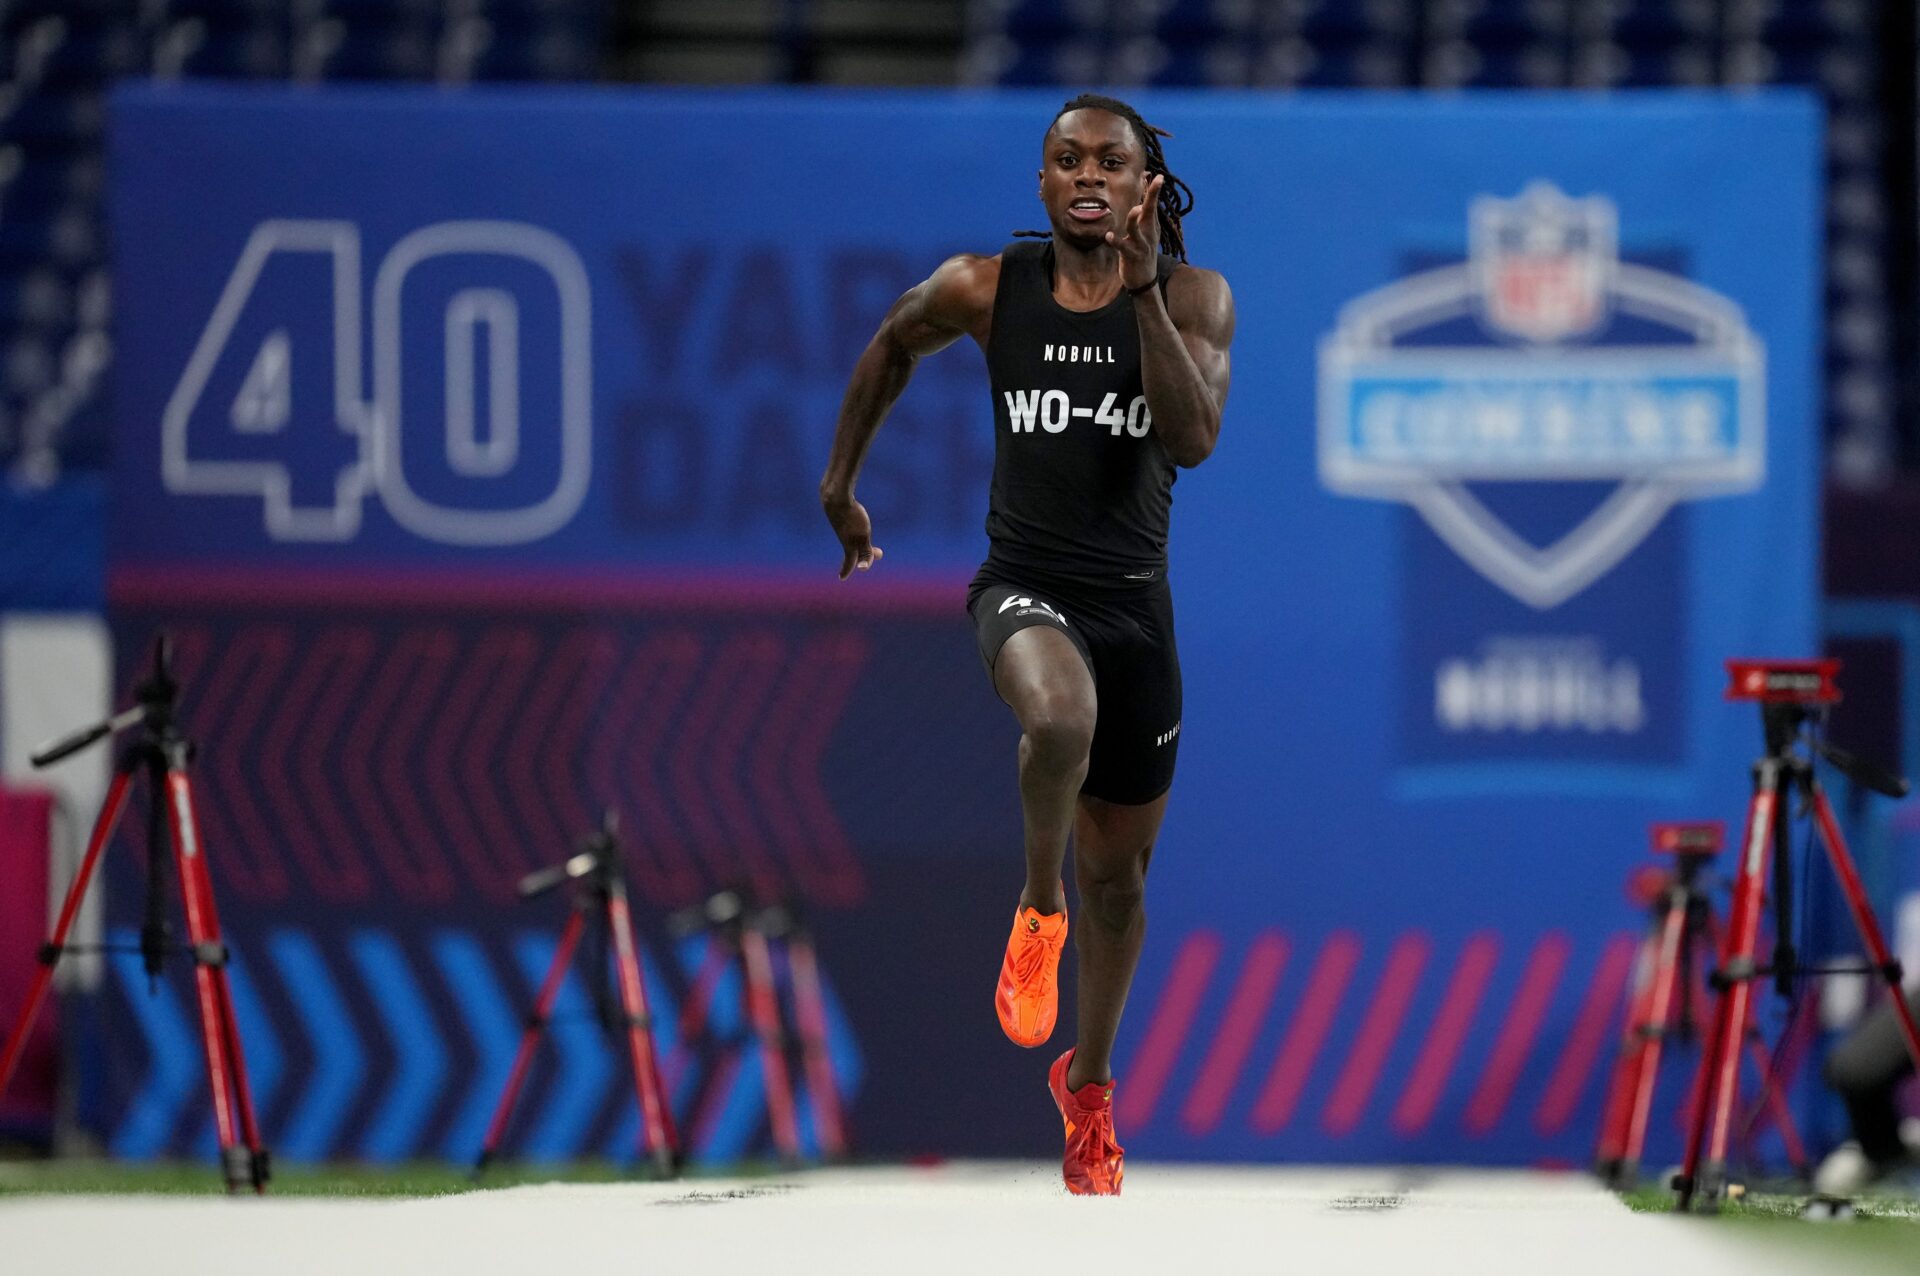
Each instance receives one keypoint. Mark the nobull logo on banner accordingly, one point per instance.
(1542, 359)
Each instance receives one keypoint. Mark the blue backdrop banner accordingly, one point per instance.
(479, 435)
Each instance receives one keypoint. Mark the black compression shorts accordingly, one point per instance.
(1126, 638)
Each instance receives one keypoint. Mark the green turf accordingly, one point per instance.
(1773, 1204)
(194, 1179)
(1883, 1234)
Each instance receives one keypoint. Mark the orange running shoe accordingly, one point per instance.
(1027, 998)
(1094, 1162)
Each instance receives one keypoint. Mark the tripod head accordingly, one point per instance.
(1795, 696)
(155, 700)
(1692, 843)
(597, 860)
(724, 910)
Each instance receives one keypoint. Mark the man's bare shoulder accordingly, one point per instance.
(963, 286)
(1199, 299)
(971, 272)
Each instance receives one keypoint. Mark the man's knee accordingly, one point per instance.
(1114, 895)
(1058, 729)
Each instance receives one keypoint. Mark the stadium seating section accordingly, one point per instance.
(57, 58)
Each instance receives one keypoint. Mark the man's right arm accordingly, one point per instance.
(957, 299)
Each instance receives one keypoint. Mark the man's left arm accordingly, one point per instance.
(1185, 330)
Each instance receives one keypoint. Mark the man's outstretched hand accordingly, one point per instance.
(1139, 238)
(855, 530)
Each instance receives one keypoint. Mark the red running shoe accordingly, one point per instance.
(1027, 997)
(1094, 1161)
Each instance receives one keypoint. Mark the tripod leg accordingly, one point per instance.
(209, 957)
(542, 1007)
(1607, 1162)
(198, 879)
(1773, 1103)
(103, 828)
(1720, 1063)
(810, 1008)
(1863, 918)
(656, 1118)
(1666, 976)
(763, 1003)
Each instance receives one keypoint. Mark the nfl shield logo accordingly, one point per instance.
(1543, 262)
(1417, 407)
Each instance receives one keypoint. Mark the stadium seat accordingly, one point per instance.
(1218, 64)
(1461, 65)
(1846, 75)
(35, 301)
(1035, 63)
(363, 54)
(1616, 66)
(1047, 20)
(1351, 22)
(1798, 21)
(241, 53)
(555, 54)
(27, 364)
(1188, 22)
(380, 15)
(59, 120)
(19, 14)
(1297, 64)
(1498, 22)
(1644, 23)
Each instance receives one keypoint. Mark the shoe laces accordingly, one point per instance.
(1099, 1144)
(1029, 958)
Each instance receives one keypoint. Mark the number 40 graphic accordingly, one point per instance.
(275, 384)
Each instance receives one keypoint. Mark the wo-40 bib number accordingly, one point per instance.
(1051, 410)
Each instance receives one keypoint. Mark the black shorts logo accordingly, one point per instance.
(1029, 607)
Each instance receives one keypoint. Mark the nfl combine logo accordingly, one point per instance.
(1542, 263)
(1543, 358)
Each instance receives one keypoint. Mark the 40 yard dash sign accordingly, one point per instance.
(462, 448)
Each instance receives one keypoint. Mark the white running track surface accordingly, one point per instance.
(999, 1219)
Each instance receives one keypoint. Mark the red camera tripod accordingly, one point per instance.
(1661, 1006)
(755, 940)
(601, 901)
(163, 754)
(1793, 695)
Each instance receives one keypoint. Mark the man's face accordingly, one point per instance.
(1091, 174)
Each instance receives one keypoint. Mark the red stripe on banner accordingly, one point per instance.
(1515, 1042)
(1377, 1032)
(1259, 977)
(808, 590)
(1589, 1035)
(1449, 1032)
(1179, 1001)
(1301, 1049)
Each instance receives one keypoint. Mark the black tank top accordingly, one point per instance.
(1082, 486)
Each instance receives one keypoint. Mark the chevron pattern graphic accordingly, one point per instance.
(424, 762)
(373, 1046)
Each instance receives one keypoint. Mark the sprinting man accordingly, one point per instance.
(1108, 356)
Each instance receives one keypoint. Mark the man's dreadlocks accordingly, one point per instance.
(1176, 197)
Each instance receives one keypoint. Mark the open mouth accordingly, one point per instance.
(1087, 209)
